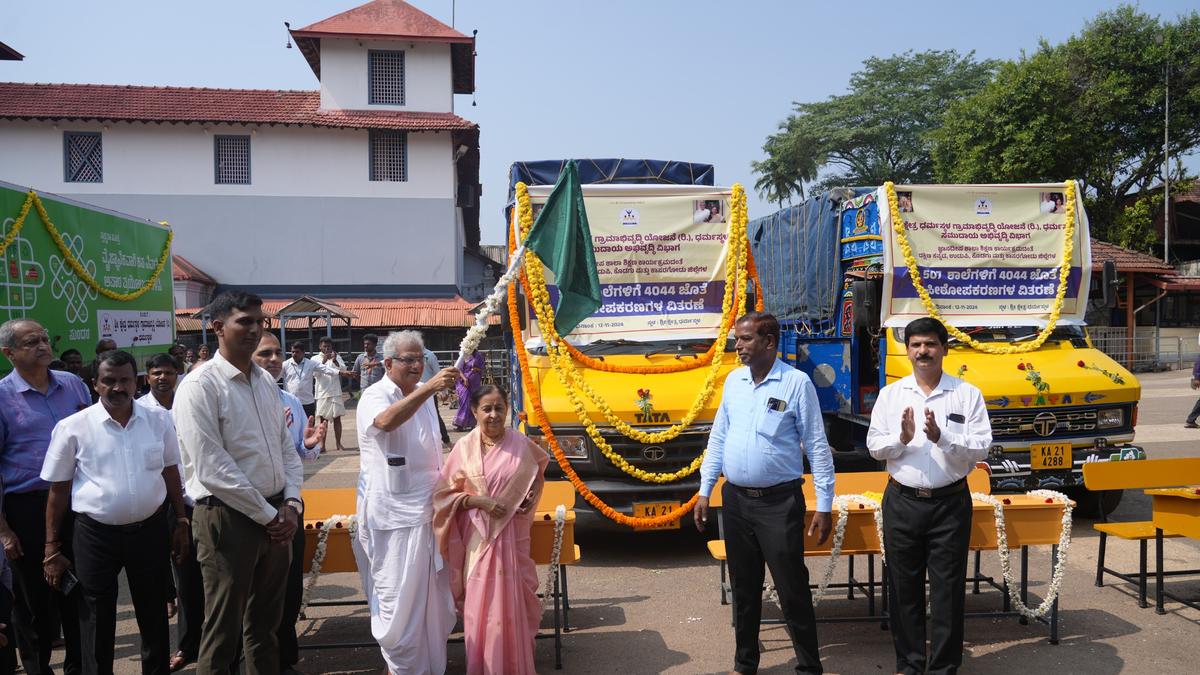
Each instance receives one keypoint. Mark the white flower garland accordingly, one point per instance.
(560, 519)
(475, 334)
(1060, 566)
(323, 528)
(842, 504)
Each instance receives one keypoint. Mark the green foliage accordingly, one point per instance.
(1133, 227)
(1090, 108)
(879, 131)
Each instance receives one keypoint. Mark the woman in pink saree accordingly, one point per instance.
(484, 504)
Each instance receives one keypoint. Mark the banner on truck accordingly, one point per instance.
(660, 258)
(120, 252)
(988, 254)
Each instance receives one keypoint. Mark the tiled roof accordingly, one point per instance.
(183, 270)
(105, 102)
(386, 19)
(399, 313)
(9, 54)
(1126, 260)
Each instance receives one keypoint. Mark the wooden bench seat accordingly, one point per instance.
(1133, 530)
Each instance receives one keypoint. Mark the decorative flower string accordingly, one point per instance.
(1060, 565)
(538, 416)
(560, 519)
(476, 333)
(323, 528)
(19, 223)
(1115, 377)
(1064, 272)
(842, 504)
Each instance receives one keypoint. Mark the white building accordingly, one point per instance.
(365, 188)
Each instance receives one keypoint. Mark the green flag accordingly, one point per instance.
(562, 239)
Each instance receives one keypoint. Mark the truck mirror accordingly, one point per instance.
(1109, 283)
(866, 304)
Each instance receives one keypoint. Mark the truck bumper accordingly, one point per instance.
(1010, 471)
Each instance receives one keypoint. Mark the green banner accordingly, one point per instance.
(120, 253)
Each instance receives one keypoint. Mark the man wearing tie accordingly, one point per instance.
(768, 420)
(931, 428)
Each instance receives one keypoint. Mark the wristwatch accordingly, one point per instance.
(295, 504)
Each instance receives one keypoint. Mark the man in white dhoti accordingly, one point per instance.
(405, 581)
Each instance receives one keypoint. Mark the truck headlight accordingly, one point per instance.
(573, 447)
(1110, 418)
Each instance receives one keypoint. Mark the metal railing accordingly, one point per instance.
(496, 370)
(1144, 351)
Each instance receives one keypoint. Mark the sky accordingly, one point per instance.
(690, 80)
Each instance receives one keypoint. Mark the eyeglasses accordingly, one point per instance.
(34, 342)
(407, 360)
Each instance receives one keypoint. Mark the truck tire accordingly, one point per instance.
(1093, 505)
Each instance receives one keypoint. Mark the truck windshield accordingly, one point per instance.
(1018, 333)
(613, 347)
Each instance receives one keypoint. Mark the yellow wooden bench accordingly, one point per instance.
(1136, 474)
(541, 549)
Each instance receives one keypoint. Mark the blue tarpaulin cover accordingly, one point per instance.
(592, 171)
(796, 250)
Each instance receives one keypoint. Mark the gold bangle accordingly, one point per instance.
(52, 556)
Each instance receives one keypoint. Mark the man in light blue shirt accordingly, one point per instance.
(768, 421)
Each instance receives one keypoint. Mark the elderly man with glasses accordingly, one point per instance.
(406, 584)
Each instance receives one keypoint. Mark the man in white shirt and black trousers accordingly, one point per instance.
(114, 465)
(244, 473)
(931, 428)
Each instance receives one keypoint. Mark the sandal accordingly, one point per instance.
(180, 661)
(172, 609)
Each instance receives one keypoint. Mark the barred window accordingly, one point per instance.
(83, 157)
(231, 160)
(389, 155)
(386, 76)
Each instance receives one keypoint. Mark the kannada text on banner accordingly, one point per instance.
(660, 261)
(988, 254)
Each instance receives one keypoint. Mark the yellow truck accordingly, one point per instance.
(838, 271)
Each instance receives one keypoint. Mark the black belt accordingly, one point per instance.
(757, 493)
(274, 500)
(929, 493)
(131, 527)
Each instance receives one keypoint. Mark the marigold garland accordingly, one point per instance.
(33, 200)
(539, 418)
(914, 273)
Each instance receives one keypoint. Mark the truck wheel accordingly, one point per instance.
(1091, 504)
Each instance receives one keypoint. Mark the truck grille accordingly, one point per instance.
(670, 456)
(1045, 423)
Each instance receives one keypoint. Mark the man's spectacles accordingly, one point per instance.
(407, 360)
(33, 342)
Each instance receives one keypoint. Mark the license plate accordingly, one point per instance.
(1050, 456)
(653, 509)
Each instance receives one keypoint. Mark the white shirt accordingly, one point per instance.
(115, 471)
(149, 401)
(298, 379)
(922, 463)
(327, 378)
(401, 495)
(235, 444)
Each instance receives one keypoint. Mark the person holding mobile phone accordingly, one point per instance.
(931, 428)
(114, 464)
(406, 583)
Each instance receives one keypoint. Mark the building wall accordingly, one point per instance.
(310, 219)
(344, 75)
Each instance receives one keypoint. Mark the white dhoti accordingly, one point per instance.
(408, 591)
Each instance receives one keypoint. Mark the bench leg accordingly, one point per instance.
(1054, 605)
(871, 584)
(1024, 581)
(724, 591)
(1158, 572)
(566, 596)
(1142, 574)
(557, 628)
(975, 591)
(1100, 559)
(850, 580)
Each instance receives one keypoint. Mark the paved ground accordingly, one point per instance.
(648, 603)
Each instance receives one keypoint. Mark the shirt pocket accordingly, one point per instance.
(152, 457)
(397, 474)
(773, 422)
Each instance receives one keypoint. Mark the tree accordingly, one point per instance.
(1090, 108)
(879, 131)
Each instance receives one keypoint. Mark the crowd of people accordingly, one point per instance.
(193, 489)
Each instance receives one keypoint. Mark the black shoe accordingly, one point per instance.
(1191, 425)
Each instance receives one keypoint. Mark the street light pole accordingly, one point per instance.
(1167, 163)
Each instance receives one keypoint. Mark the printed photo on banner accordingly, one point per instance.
(708, 211)
(1052, 202)
(904, 200)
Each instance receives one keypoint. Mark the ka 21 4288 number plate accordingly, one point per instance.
(652, 509)
(1050, 456)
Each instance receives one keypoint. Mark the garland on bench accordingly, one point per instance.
(323, 528)
(1060, 565)
(842, 504)
(560, 519)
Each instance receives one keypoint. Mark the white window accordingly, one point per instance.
(231, 160)
(389, 155)
(385, 71)
(83, 157)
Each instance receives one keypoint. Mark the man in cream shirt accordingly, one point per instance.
(244, 473)
(931, 428)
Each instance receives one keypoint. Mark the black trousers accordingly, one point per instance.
(1191, 418)
(144, 551)
(927, 536)
(35, 618)
(289, 647)
(189, 596)
(769, 530)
